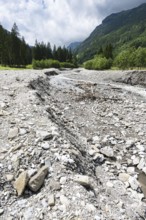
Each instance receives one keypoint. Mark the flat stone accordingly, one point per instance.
(45, 146)
(135, 160)
(13, 133)
(107, 151)
(51, 200)
(21, 183)
(9, 177)
(133, 182)
(141, 164)
(124, 177)
(83, 180)
(64, 200)
(3, 113)
(37, 180)
(54, 185)
(131, 170)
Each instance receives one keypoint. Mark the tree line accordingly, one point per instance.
(128, 58)
(14, 51)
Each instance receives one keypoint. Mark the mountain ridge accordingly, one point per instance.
(117, 29)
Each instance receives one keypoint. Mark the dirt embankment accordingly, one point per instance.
(72, 145)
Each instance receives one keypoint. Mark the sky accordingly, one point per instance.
(59, 22)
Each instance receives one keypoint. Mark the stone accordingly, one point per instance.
(54, 185)
(13, 132)
(37, 180)
(124, 177)
(131, 170)
(31, 172)
(64, 200)
(45, 146)
(141, 164)
(9, 177)
(90, 207)
(21, 183)
(135, 160)
(82, 180)
(1, 211)
(63, 180)
(133, 182)
(22, 131)
(51, 200)
(3, 113)
(107, 151)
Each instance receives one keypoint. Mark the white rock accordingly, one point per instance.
(13, 133)
(141, 164)
(45, 146)
(131, 170)
(83, 180)
(51, 200)
(22, 131)
(133, 182)
(135, 160)
(64, 200)
(95, 139)
(90, 207)
(107, 151)
(124, 177)
(109, 184)
(10, 177)
(63, 180)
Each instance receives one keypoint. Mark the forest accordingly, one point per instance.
(15, 52)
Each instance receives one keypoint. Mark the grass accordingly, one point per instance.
(15, 68)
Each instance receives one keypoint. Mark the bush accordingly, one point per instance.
(125, 59)
(88, 65)
(67, 65)
(98, 63)
(42, 64)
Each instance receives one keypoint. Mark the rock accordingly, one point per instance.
(51, 72)
(3, 113)
(51, 200)
(54, 185)
(21, 183)
(38, 179)
(13, 133)
(22, 131)
(64, 200)
(124, 177)
(1, 211)
(31, 172)
(133, 182)
(107, 151)
(82, 180)
(141, 164)
(9, 177)
(131, 170)
(135, 160)
(90, 207)
(45, 146)
(63, 180)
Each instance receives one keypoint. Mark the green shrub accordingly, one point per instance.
(88, 65)
(98, 63)
(42, 64)
(67, 65)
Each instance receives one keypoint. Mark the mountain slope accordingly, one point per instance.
(126, 28)
(73, 45)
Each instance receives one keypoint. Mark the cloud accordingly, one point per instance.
(58, 22)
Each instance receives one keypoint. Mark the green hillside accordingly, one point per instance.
(121, 30)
